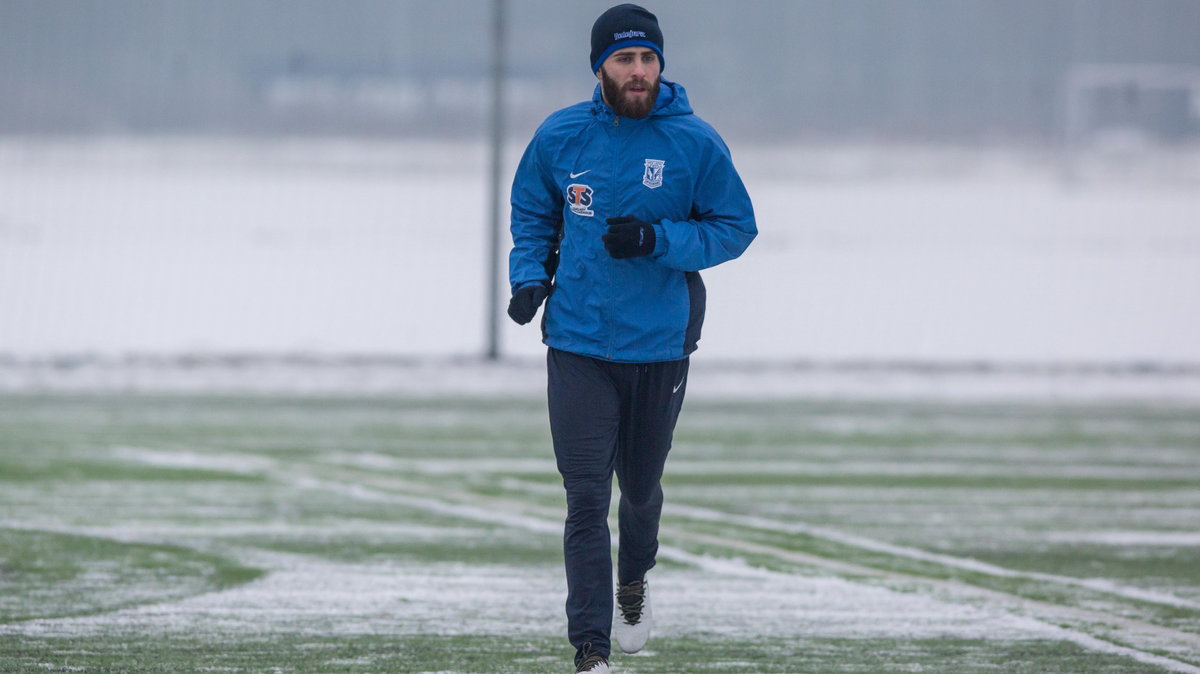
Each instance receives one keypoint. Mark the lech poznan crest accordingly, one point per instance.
(653, 176)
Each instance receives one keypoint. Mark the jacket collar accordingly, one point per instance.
(672, 100)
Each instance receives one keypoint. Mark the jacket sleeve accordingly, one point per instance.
(721, 225)
(536, 218)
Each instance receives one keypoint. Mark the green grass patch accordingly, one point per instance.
(82, 470)
(484, 654)
(48, 575)
(979, 482)
(484, 548)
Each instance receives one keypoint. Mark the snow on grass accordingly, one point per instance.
(388, 518)
(718, 598)
(681, 466)
(909, 552)
(1127, 538)
(309, 594)
(239, 463)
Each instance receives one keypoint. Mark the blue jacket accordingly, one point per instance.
(671, 168)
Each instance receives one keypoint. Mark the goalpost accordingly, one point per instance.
(1129, 110)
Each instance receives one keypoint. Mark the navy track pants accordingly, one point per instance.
(609, 417)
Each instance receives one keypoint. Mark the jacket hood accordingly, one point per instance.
(672, 100)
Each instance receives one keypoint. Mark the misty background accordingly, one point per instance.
(993, 180)
(929, 70)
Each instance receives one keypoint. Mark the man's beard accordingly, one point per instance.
(624, 105)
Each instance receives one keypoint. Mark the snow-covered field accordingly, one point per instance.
(196, 533)
(169, 246)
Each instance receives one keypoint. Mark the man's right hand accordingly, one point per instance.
(525, 302)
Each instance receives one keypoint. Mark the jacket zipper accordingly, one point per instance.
(615, 180)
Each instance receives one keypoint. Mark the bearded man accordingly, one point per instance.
(617, 205)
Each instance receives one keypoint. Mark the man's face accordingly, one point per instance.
(629, 81)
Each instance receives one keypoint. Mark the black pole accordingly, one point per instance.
(492, 305)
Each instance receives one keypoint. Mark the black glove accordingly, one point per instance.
(628, 237)
(525, 302)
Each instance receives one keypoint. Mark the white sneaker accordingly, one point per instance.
(592, 663)
(633, 618)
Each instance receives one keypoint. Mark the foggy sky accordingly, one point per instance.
(876, 69)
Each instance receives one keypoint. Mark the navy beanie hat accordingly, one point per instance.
(625, 26)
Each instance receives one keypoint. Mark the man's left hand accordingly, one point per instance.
(628, 237)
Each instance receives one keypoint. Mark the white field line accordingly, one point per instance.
(442, 466)
(967, 564)
(1042, 614)
(1092, 643)
(510, 513)
(479, 511)
(1035, 624)
(852, 467)
(1121, 538)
